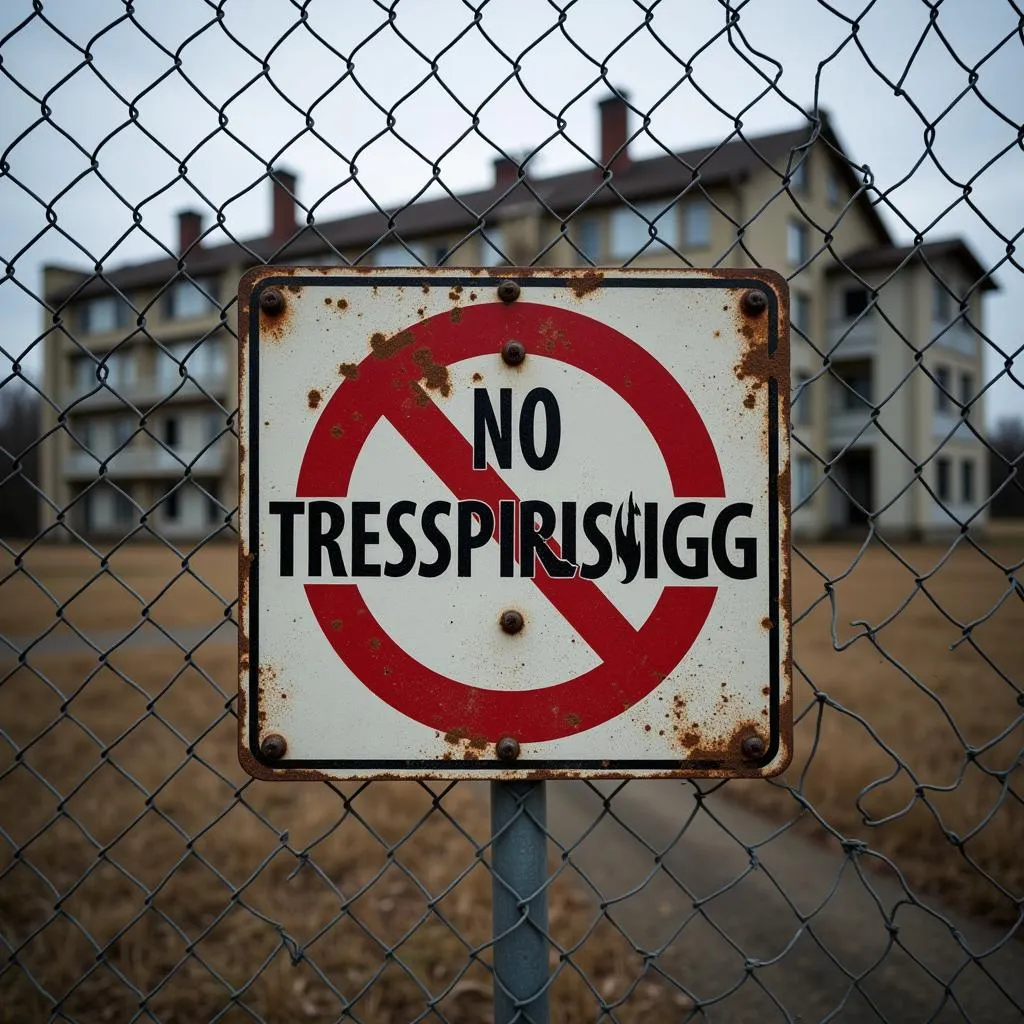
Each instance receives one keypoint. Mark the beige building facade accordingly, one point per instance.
(887, 369)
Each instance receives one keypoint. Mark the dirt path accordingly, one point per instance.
(743, 949)
(62, 639)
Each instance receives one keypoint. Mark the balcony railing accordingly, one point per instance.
(846, 423)
(148, 460)
(147, 392)
(854, 337)
(959, 337)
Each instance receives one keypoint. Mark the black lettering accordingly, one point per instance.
(321, 539)
(363, 538)
(569, 531)
(594, 570)
(650, 540)
(470, 512)
(533, 538)
(401, 537)
(528, 428)
(433, 534)
(507, 538)
(747, 546)
(287, 510)
(698, 569)
(485, 423)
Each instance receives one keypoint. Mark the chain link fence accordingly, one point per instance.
(142, 875)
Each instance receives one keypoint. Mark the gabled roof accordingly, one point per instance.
(889, 257)
(561, 195)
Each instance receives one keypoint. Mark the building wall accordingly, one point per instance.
(826, 345)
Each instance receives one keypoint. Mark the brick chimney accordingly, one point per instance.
(614, 126)
(506, 172)
(190, 227)
(283, 209)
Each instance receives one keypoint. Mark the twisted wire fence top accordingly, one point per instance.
(149, 154)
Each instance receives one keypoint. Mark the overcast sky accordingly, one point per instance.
(99, 181)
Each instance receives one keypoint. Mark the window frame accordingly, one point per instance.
(944, 478)
(798, 243)
(943, 385)
(701, 237)
(200, 290)
(638, 217)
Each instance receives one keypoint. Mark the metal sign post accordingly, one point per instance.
(520, 902)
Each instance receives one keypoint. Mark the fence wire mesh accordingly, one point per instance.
(142, 875)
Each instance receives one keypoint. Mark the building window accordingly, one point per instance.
(942, 302)
(942, 385)
(966, 389)
(103, 314)
(214, 513)
(631, 232)
(802, 312)
(84, 433)
(832, 190)
(855, 302)
(189, 299)
(169, 373)
(804, 479)
(171, 437)
(798, 176)
(801, 415)
(857, 387)
(123, 508)
(395, 254)
(214, 424)
(172, 505)
(797, 246)
(942, 481)
(492, 244)
(84, 373)
(120, 368)
(967, 480)
(124, 427)
(696, 223)
(588, 239)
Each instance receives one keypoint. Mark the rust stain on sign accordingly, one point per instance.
(585, 283)
(384, 347)
(435, 375)
(313, 398)
(350, 371)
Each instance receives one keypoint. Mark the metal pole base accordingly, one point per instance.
(518, 828)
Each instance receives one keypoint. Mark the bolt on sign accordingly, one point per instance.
(531, 523)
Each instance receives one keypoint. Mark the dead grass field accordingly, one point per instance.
(194, 896)
(187, 890)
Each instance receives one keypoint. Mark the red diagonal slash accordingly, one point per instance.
(633, 662)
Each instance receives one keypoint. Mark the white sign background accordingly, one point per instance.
(309, 696)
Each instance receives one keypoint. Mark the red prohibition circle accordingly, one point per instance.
(388, 383)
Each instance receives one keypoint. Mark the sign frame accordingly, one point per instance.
(759, 303)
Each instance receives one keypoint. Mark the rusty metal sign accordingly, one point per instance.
(513, 524)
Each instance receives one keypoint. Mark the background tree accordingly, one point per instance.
(19, 461)
(1005, 460)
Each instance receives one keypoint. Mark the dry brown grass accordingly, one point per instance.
(920, 705)
(192, 895)
(181, 885)
(97, 593)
